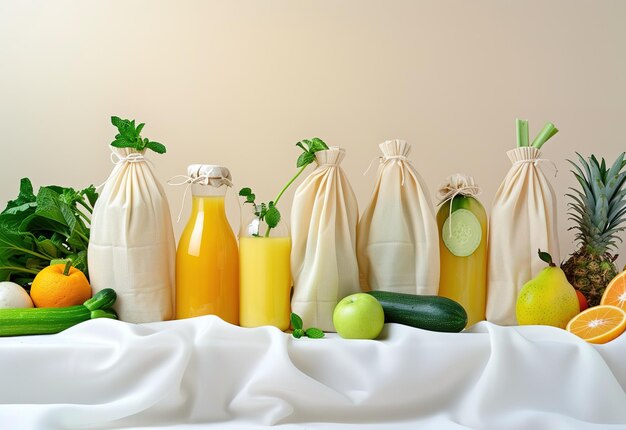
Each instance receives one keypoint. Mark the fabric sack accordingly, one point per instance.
(324, 218)
(132, 247)
(397, 239)
(523, 220)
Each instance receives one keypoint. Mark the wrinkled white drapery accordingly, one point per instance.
(205, 373)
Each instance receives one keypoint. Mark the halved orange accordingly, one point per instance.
(599, 324)
(615, 293)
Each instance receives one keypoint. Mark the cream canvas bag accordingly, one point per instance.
(324, 217)
(523, 220)
(397, 240)
(132, 247)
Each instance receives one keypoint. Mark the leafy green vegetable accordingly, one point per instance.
(298, 332)
(268, 212)
(129, 136)
(36, 229)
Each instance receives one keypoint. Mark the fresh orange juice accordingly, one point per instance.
(463, 255)
(265, 281)
(207, 263)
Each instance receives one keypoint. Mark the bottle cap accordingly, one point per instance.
(209, 174)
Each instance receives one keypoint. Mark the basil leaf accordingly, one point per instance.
(121, 143)
(272, 217)
(296, 321)
(305, 159)
(314, 333)
(157, 147)
(318, 145)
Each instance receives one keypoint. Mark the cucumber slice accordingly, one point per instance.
(466, 233)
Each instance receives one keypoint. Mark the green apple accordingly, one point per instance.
(358, 316)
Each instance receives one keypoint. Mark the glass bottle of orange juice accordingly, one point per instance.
(207, 258)
(462, 223)
(265, 271)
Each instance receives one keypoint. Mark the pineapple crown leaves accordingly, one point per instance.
(129, 136)
(600, 208)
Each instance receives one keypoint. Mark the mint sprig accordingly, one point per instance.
(129, 136)
(298, 331)
(268, 212)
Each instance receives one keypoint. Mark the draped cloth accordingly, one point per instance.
(204, 373)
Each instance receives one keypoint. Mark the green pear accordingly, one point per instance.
(548, 299)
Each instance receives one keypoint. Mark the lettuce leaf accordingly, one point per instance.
(35, 229)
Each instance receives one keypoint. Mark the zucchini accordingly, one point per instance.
(426, 312)
(19, 322)
(103, 299)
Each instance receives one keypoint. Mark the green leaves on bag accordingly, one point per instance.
(309, 148)
(269, 213)
(129, 136)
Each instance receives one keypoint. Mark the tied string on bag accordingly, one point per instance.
(538, 161)
(457, 185)
(382, 159)
(133, 157)
(117, 159)
(189, 181)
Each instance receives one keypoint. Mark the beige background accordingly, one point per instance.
(240, 82)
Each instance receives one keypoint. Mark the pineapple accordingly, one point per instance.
(599, 211)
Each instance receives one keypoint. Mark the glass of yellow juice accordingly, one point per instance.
(264, 272)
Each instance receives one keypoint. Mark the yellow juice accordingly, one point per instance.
(265, 281)
(464, 278)
(207, 263)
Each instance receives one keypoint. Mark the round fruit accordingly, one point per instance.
(615, 293)
(462, 233)
(359, 316)
(582, 301)
(59, 286)
(13, 296)
(599, 324)
(548, 299)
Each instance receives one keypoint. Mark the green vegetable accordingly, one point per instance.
(522, 132)
(36, 229)
(546, 133)
(129, 136)
(426, 312)
(103, 299)
(298, 332)
(268, 212)
(19, 322)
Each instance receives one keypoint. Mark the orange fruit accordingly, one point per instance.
(598, 324)
(53, 288)
(582, 300)
(615, 293)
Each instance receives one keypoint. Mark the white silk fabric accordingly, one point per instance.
(131, 246)
(202, 373)
(397, 237)
(324, 217)
(523, 220)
